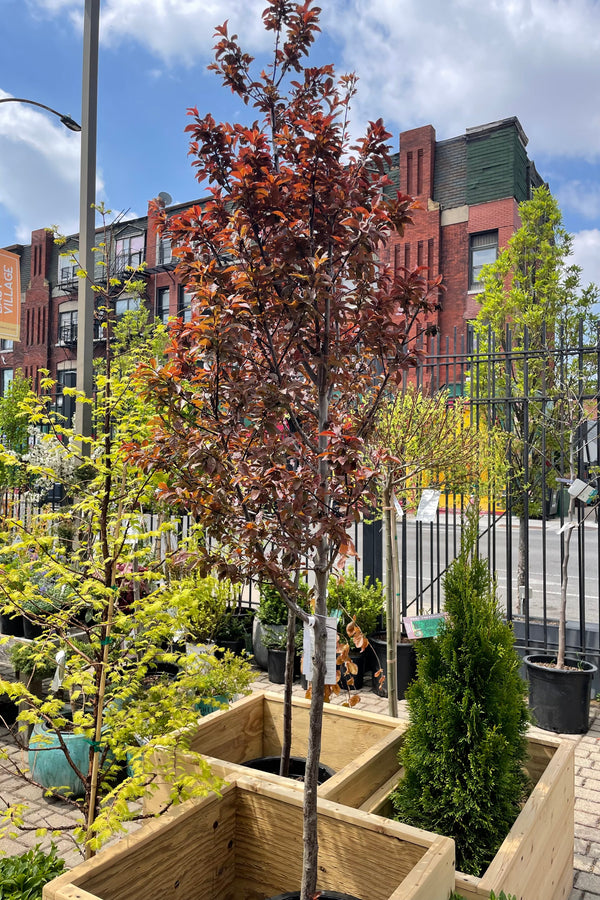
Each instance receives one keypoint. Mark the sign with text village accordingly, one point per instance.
(10, 296)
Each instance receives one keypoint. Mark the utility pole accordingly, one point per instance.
(87, 219)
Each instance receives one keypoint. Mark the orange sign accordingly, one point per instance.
(10, 296)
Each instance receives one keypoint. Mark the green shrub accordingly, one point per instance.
(272, 609)
(465, 746)
(355, 598)
(23, 877)
(202, 603)
(33, 659)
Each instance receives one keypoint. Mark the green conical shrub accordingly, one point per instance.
(465, 747)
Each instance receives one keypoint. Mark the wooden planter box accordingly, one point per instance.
(535, 861)
(247, 845)
(253, 727)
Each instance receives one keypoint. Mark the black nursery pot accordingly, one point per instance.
(12, 625)
(276, 665)
(237, 647)
(406, 665)
(297, 769)
(559, 699)
(358, 658)
(31, 630)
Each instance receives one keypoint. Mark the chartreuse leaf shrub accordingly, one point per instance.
(91, 575)
(22, 877)
(465, 747)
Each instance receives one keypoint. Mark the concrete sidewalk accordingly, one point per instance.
(54, 813)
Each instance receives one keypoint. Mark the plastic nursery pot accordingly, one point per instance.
(406, 665)
(31, 630)
(359, 658)
(559, 699)
(237, 647)
(270, 764)
(12, 625)
(276, 665)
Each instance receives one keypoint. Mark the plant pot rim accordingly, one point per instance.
(540, 661)
(268, 763)
(325, 895)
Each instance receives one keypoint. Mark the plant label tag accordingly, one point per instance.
(428, 505)
(308, 649)
(423, 626)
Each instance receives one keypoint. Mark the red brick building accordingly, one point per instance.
(469, 188)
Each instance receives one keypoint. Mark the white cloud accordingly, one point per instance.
(586, 253)
(39, 170)
(454, 63)
(459, 63)
(176, 31)
(581, 197)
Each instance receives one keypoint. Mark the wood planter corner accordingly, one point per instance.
(535, 861)
(253, 727)
(247, 845)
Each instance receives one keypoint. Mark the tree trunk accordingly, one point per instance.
(390, 596)
(290, 652)
(310, 834)
(521, 564)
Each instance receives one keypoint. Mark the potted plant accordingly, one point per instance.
(200, 605)
(117, 643)
(359, 603)
(560, 686)
(24, 876)
(233, 631)
(275, 642)
(272, 615)
(464, 750)
(296, 313)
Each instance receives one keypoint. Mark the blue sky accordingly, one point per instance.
(451, 63)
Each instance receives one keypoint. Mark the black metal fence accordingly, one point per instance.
(542, 392)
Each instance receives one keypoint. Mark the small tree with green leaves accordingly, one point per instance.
(14, 432)
(464, 749)
(427, 441)
(532, 304)
(114, 646)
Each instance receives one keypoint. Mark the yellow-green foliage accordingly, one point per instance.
(434, 441)
(91, 576)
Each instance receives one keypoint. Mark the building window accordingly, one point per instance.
(483, 249)
(6, 376)
(67, 272)
(129, 252)
(6, 345)
(164, 254)
(162, 305)
(67, 327)
(126, 304)
(184, 309)
(65, 405)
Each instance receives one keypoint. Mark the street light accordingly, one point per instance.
(87, 219)
(70, 123)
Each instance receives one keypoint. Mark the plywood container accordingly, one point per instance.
(247, 845)
(535, 861)
(253, 727)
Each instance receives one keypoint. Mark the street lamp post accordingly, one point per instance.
(87, 220)
(70, 123)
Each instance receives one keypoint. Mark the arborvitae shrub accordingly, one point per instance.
(465, 746)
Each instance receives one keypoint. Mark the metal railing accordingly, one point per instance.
(519, 384)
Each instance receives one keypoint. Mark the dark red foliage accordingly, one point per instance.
(297, 329)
